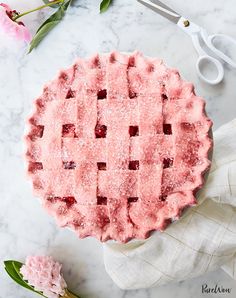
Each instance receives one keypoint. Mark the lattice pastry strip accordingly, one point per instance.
(117, 146)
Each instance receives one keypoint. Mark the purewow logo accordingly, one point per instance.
(217, 289)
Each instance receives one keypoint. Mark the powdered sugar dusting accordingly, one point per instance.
(125, 139)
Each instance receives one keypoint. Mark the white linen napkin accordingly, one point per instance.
(203, 240)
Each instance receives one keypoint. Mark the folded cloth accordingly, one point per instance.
(203, 240)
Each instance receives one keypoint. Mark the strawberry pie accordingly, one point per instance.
(118, 146)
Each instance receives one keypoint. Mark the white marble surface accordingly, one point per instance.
(24, 227)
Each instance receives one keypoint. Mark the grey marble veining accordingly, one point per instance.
(24, 227)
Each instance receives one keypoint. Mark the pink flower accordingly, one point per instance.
(44, 274)
(13, 28)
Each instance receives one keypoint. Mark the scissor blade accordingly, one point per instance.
(162, 9)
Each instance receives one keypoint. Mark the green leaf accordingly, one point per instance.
(13, 270)
(104, 5)
(17, 265)
(54, 5)
(49, 24)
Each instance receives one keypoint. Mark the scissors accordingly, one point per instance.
(198, 35)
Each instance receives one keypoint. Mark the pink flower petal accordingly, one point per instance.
(12, 28)
(44, 274)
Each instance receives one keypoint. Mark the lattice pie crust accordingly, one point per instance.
(117, 146)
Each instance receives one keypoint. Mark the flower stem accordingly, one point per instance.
(35, 9)
(68, 294)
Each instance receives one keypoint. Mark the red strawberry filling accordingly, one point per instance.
(167, 162)
(68, 130)
(100, 131)
(102, 94)
(101, 200)
(133, 131)
(70, 94)
(134, 165)
(102, 166)
(69, 165)
(69, 201)
(167, 129)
